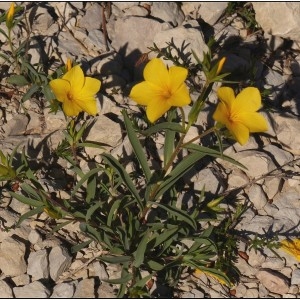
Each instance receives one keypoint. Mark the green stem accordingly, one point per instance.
(200, 136)
(13, 52)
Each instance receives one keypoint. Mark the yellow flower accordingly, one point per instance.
(239, 114)
(76, 92)
(220, 65)
(162, 89)
(69, 64)
(291, 247)
(10, 16)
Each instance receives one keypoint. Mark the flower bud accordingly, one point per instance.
(10, 16)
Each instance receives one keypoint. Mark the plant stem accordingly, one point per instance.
(13, 52)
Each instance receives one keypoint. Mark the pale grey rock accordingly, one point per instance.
(289, 296)
(66, 9)
(34, 237)
(95, 41)
(137, 11)
(277, 23)
(206, 179)
(287, 130)
(259, 224)
(16, 126)
(296, 277)
(125, 5)
(92, 18)
(33, 290)
(43, 19)
(9, 219)
(273, 263)
(192, 38)
(257, 196)
(262, 291)
(237, 178)
(251, 293)
(294, 289)
(19, 207)
(59, 261)
(280, 156)
(245, 268)
(241, 290)
(69, 45)
(85, 289)
(210, 12)
(274, 281)
(106, 290)
(271, 186)
(12, 262)
(99, 270)
(38, 265)
(256, 258)
(5, 5)
(167, 12)
(5, 290)
(99, 131)
(275, 82)
(140, 38)
(197, 293)
(21, 280)
(63, 290)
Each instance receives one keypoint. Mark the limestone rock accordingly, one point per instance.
(12, 262)
(38, 265)
(33, 290)
(92, 18)
(277, 22)
(210, 12)
(63, 290)
(191, 38)
(5, 290)
(274, 281)
(168, 12)
(59, 261)
(257, 196)
(85, 289)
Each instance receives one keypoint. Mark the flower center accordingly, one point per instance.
(70, 96)
(166, 94)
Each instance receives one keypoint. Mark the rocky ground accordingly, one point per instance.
(37, 264)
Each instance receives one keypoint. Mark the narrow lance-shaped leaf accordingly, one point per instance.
(137, 147)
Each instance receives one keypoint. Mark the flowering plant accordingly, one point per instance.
(138, 213)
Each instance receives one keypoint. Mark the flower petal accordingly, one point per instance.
(71, 108)
(87, 104)
(157, 73)
(177, 77)
(60, 88)
(248, 100)
(254, 121)
(221, 114)
(142, 93)
(91, 87)
(226, 95)
(156, 108)
(76, 78)
(181, 97)
(239, 131)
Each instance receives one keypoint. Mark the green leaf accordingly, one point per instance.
(169, 139)
(29, 214)
(115, 259)
(213, 153)
(61, 225)
(154, 265)
(112, 211)
(91, 211)
(178, 172)
(32, 90)
(27, 200)
(91, 189)
(109, 159)
(137, 147)
(163, 126)
(139, 254)
(80, 246)
(181, 215)
(165, 235)
(18, 80)
(84, 178)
